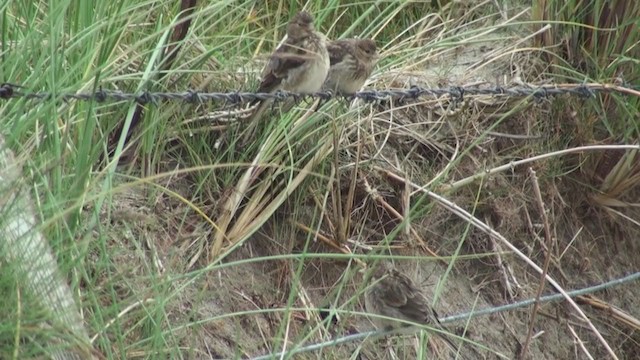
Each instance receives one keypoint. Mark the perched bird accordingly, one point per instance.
(352, 62)
(299, 65)
(394, 295)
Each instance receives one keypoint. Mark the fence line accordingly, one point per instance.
(456, 93)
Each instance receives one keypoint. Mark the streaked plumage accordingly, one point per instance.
(352, 62)
(300, 64)
(393, 294)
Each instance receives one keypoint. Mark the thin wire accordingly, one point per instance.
(544, 299)
(449, 319)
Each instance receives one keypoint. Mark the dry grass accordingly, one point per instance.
(208, 248)
(337, 187)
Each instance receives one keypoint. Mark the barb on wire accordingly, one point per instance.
(455, 93)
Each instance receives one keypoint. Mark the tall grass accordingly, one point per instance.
(597, 41)
(145, 244)
(65, 46)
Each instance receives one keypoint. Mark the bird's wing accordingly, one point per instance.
(393, 295)
(409, 300)
(417, 309)
(286, 58)
(337, 51)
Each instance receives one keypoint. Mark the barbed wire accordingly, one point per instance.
(456, 93)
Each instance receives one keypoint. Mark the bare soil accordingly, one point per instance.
(589, 245)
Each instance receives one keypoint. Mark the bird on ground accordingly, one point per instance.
(395, 296)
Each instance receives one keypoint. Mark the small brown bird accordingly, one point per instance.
(394, 295)
(352, 62)
(299, 65)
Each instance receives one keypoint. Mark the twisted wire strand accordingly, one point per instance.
(457, 93)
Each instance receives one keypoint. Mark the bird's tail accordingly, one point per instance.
(253, 121)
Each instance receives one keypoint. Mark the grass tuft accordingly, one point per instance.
(200, 245)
